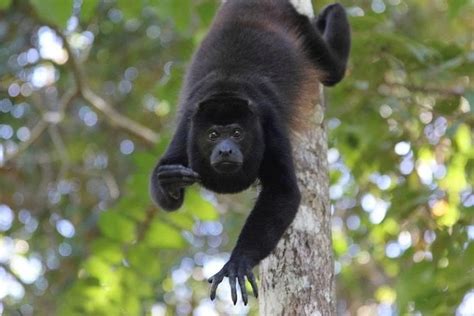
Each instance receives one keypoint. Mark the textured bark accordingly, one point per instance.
(298, 277)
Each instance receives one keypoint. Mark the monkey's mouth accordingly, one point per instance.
(227, 166)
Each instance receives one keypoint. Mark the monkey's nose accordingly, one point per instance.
(225, 152)
(224, 149)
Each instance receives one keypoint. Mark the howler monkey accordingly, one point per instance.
(248, 85)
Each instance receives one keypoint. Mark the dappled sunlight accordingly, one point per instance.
(88, 100)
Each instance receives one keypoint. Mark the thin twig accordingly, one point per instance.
(36, 132)
(117, 119)
(76, 69)
(7, 268)
(51, 117)
(58, 143)
(66, 99)
(54, 117)
(114, 190)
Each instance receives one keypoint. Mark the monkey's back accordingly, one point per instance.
(264, 44)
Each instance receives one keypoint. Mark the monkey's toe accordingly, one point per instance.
(235, 269)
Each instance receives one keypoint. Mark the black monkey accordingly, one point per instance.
(248, 85)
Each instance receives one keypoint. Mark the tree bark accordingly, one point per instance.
(298, 277)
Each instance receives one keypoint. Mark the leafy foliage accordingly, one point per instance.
(79, 235)
(56, 12)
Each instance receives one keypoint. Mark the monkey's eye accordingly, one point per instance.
(237, 133)
(213, 135)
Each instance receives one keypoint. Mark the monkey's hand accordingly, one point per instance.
(235, 268)
(168, 183)
(173, 178)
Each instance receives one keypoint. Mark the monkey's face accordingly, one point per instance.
(225, 142)
(227, 147)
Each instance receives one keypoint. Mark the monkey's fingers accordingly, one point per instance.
(178, 182)
(243, 289)
(253, 283)
(216, 280)
(233, 288)
(173, 167)
(176, 173)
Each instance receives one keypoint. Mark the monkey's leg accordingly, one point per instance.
(328, 42)
(333, 24)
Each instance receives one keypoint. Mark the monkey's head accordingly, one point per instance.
(226, 143)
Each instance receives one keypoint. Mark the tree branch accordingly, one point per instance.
(114, 117)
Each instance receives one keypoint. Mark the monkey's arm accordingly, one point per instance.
(171, 175)
(273, 212)
(328, 41)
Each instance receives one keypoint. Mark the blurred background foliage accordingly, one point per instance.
(88, 94)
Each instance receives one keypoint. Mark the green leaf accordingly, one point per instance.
(133, 207)
(455, 179)
(130, 9)
(455, 7)
(414, 283)
(53, 11)
(339, 243)
(4, 4)
(447, 106)
(133, 279)
(140, 255)
(162, 235)
(99, 269)
(180, 219)
(107, 250)
(195, 205)
(88, 9)
(144, 161)
(180, 14)
(206, 11)
(137, 186)
(463, 138)
(117, 227)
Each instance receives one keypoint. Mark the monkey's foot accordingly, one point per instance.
(235, 269)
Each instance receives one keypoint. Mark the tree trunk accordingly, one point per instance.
(298, 277)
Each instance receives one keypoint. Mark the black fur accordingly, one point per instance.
(250, 70)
